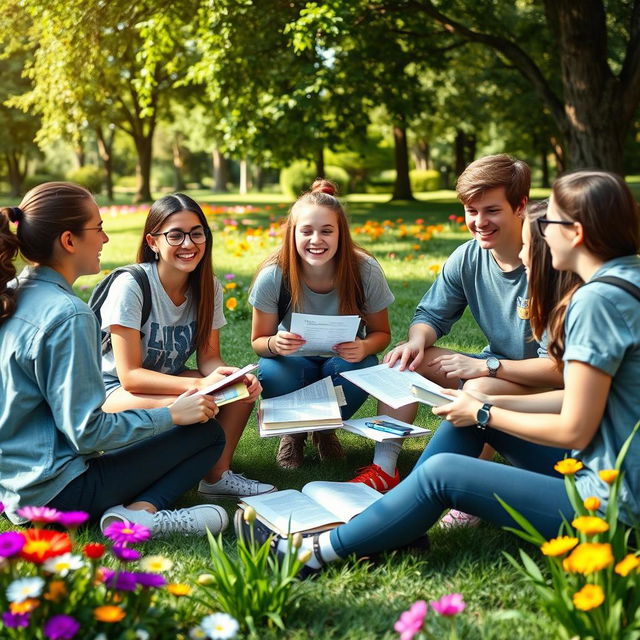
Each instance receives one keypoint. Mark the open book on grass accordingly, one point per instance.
(312, 408)
(393, 386)
(320, 505)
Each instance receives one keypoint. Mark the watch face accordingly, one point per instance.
(493, 363)
(483, 416)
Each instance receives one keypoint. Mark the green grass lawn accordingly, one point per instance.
(356, 599)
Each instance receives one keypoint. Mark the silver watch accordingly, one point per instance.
(493, 364)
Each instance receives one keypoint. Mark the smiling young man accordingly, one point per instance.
(486, 275)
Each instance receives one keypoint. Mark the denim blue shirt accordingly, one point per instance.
(51, 422)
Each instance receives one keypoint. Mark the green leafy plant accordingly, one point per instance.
(593, 588)
(257, 587)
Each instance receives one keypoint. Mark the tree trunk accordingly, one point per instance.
(81, 155)
(178, 164)
(16, 173)
(460, 144)
(402, 186)
(105, 150)
(220, 171)
(472, 142)
(544, 165)
(421, 155)
(320, 172)
(558, 154)
(258, 178)
(244, 177)
(144, 147)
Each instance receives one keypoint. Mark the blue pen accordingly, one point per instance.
(389, 427)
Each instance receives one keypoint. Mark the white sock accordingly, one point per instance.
(386, 455)
(326, 549)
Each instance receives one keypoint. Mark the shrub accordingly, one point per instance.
(297, 178)
(38, 178)
(89, 176)
(424, 180)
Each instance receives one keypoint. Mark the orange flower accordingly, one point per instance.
(588, 558)
(592, 503)
(590, 525)
(608, 475)
(627, 565)
(178, 589)
(25, 606)
(568, 466)
(56, 591)
(231, 304)
(42, 544)
(108, 613)
(558, 546)
(589, 597)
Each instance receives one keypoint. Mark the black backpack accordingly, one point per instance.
(621, 283)
(99, 295)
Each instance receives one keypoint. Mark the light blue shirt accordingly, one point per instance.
(603, 330)
(50, 417)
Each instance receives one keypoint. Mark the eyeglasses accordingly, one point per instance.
(543, 222)
(98, 228)
(176, 237)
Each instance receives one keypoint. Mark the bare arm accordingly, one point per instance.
(410, 353)
(267, 341)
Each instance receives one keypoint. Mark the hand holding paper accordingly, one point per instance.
(322, 333)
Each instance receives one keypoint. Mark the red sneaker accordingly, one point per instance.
(375, 477)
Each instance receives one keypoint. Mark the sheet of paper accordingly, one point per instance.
(323, 332)
(344, 499)
(388, 384)
(227, 380)
(359, 427)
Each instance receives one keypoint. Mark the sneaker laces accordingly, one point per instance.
(174, 521)
(366, 473)
(239, 480)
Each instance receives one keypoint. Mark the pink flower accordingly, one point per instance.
(39, 514)
(72, 519)
(411, 621)
(126, 532)
(449, 605)
(229, 276)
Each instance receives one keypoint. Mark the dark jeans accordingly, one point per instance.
(158, 470)
(448, 474)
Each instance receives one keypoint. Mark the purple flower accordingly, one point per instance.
(411, 621)
(119, 580)
(11, 543)
(449, 605)
(152, 580)
(1, 507)
(126, 554)
(14, 620)
(39, 514)
(229, 276)
(61, 627)
(72, 519)
(122, 532)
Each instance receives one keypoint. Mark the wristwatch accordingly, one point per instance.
(493, 364)
(483, 416)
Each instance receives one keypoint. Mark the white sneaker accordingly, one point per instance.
(191, 521)
(233, 485)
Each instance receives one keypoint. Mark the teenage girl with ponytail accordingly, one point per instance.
(57, 447)
(325, 273)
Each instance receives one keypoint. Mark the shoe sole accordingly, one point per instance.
(232, 496)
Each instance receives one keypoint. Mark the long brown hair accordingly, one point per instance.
(46, 211)
(549, 289)
(201, 278)
(348, 258)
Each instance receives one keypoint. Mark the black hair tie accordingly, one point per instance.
(16, 214)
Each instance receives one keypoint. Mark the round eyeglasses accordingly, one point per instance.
(175, 237)
(543, 222)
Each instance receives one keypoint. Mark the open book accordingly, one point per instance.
(230, 388)
(312, 408)
(393, 386)
(320, 505)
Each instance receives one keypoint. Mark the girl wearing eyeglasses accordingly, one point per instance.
(147, 365)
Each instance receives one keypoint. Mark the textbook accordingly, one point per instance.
(231, 380)
(359, 426)
(319, 506)
(227, 394)
(430, 396)
(312, 408)
(393, 386)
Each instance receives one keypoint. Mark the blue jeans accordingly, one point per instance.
(157, 470)
(449, 474)
(282, 375)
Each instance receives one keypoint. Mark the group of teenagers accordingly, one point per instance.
(117, 427)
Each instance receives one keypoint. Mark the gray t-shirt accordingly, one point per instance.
(603, 330)
(170, 331)
(497, 299)
(266, 290)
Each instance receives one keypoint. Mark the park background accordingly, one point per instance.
(242, 104)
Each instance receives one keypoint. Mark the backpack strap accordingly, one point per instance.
(141, 277)
(621, 283)
(284, 298)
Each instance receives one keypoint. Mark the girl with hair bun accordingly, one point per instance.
(58, 448)
(317, 270)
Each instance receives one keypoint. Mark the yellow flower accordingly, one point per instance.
(24, 607)
(206, 579)
(178, 589)
(156, 564)
(231, 304)
(627, 565)
(56, 591)
(249, 514)
(230, 285)
(608, 475)
(592, 503)
(558, 546)
(590, 525)
(568, 466)
(588, 558)
(589, 597)
(304, 556)
(296, 541)
(108, 613)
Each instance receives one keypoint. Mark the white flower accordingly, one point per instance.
(156, 564)
(24, 588)
(219, 626)
(197, 633)
(63, 564)
(142, 634)
(101, 636)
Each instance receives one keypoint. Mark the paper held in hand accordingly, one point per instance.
(321, 333)
(393, 387)
(320, 505)
(228, 381)
(311, 408)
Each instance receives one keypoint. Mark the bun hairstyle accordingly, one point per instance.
(46, 211)
(347, 278)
